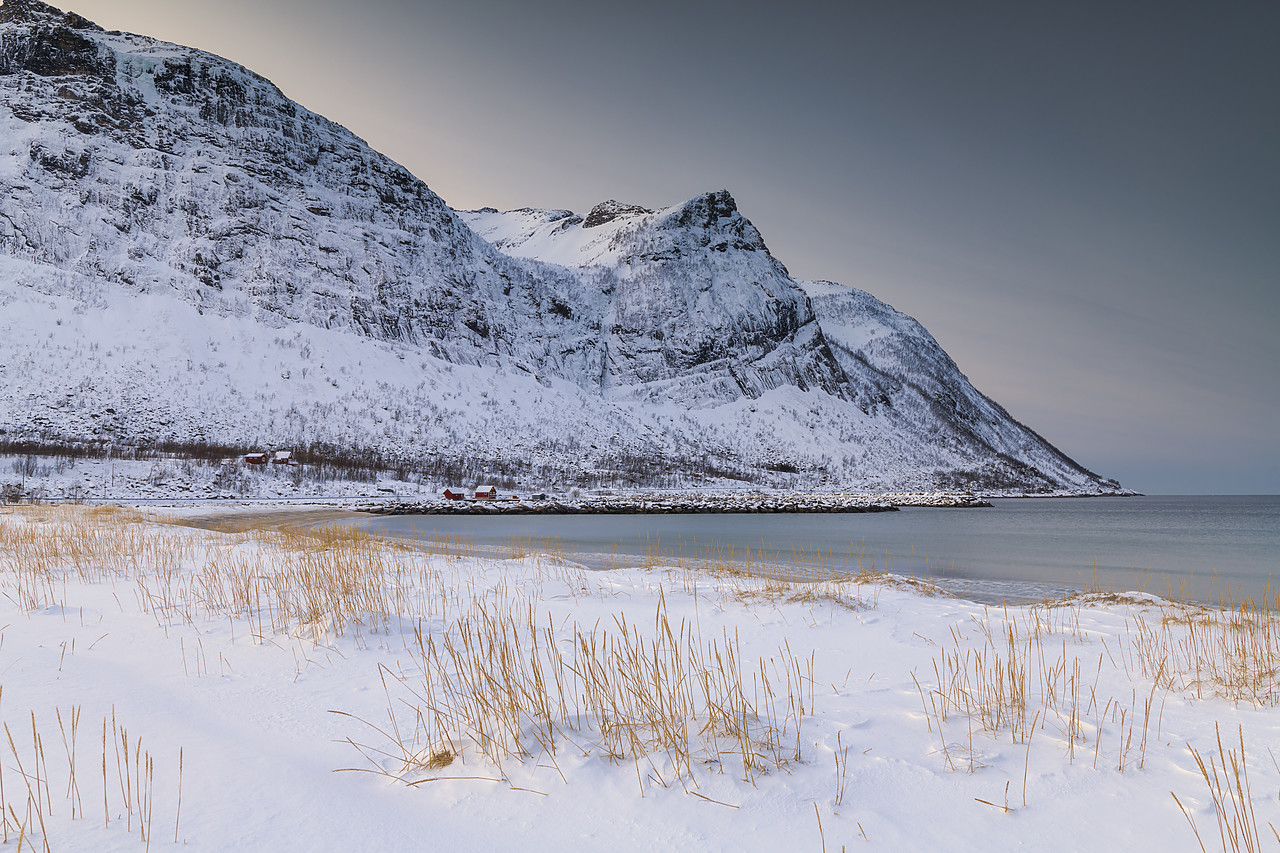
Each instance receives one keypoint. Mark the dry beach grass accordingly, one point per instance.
(495, 683)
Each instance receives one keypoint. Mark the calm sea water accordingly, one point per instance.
(1196, 546)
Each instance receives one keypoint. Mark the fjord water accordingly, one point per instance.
(1201, 547)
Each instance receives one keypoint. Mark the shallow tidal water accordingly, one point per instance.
(1201, 547)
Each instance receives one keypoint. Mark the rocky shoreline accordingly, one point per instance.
(677, 504)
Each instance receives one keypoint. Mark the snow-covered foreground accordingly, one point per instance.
(324, 690)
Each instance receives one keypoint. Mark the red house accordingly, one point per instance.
(486, 491)
(451, 495)
(256, 458)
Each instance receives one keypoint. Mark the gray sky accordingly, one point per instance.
(1082, 203)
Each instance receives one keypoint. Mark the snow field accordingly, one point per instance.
(161, 682)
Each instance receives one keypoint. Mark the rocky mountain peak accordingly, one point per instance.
(705, 211)
(607, 211)
(713, 222)
(47, 42)
(35, 12)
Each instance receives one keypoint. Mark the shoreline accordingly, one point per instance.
(230, 521)
(998, 592)
(601, 533)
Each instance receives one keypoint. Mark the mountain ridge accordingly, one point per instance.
(191, 202)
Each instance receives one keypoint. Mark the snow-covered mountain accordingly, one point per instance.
(186, 254)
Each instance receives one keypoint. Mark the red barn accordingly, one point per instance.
(256, 458)
(451, 495)
(486, 491)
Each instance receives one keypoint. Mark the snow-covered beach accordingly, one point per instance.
(295, 690)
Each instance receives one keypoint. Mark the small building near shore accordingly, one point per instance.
(489, 492)
(451, 495)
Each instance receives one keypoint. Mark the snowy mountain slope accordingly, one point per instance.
(187, 254)
(891, 357)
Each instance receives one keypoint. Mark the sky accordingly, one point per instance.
(1081, 202)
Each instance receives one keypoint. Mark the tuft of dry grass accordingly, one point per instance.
(1029, 668)
(1226, 776)
(1232, 653)
(1023, 675)
(28, 807)
(504, 683)
(497, 681)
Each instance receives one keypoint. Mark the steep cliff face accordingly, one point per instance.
(186, 253)
(696, 308)
(165, 169)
